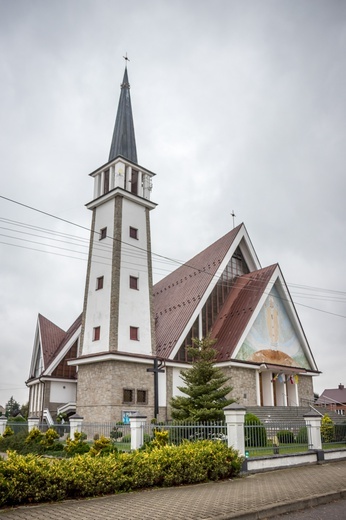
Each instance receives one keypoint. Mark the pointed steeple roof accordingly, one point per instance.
(124, 142)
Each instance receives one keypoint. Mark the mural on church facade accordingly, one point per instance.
(272, 338)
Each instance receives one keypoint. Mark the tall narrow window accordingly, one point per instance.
(134, 333)
(103, 233)
(99, 283)
(106, 182)
(96, 333)
(133, 282)
(134, 182)
(133, 232)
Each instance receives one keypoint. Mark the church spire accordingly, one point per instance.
(124, 142)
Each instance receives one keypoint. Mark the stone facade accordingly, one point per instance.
(243, 382)
(305, 390)
(101, 387)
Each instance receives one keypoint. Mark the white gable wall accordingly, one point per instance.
(63, 392)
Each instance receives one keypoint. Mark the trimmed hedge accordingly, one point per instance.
(255, 432)
(32, 479)
(285, 437)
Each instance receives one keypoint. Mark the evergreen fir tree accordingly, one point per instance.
(205, 390)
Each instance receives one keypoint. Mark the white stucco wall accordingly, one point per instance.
(98, 309)
(62, 392)
(177, 381)
(134, 309)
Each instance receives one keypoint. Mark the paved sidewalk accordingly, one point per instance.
(256, 496)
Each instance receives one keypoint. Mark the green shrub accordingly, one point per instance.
(102, 446)
(327, 429)
(302, 436)
(255, 432)
(77, 445)
(49, 438)
(8, 432)
(285, 437)
(34, 436)
(30, 479)
(116, 433)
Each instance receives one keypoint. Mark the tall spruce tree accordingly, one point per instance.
(205, 390)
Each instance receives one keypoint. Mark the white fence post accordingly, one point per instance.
(3, 423)
(313, 425)
(137, 423)
(76, 422)
(33, 422)
(235, 419)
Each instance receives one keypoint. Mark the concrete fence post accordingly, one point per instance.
(33, 422)
(3, 423)
(235, 419)
(137, 423)
(313, 425)
(76, 422)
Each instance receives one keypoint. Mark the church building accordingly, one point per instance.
(131, 332)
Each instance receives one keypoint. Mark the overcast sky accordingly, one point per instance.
(238, 105)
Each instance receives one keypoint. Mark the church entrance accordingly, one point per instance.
(277, 389)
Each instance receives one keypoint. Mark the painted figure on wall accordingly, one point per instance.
(272, 338)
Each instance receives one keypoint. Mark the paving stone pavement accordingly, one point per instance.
(256, 496)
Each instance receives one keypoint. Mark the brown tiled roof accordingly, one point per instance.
(68, 335)
(238, 309)
(51, 337)
(332, 396)
(178, 294)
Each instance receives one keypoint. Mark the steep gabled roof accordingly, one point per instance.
(178, 294)
(238, 309)
(123, 141)
(51, 337)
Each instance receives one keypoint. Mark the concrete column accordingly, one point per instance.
(111, 177)
(3, 423)
(33, 422)
(137, 423)
(140, 184)
(128, 178)
(76, 422)
(235, 418)
(313, 424)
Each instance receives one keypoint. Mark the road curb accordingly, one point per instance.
(286, 507)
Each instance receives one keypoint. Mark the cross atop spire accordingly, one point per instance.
(123, 141)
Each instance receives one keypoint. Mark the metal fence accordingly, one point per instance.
(111, 430)
(275, 438)
(180, 431)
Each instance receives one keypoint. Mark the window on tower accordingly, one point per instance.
(133, 282)
(99, 283)
(134, 333)
(96, 333)
(133, 232)
(134, 182)
(103, 233)
(106, 182)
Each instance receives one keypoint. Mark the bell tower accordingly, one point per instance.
(117, 313)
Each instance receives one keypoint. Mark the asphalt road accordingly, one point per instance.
(332, 511)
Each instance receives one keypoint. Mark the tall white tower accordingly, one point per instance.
(117, 314)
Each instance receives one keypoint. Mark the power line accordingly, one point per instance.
(139, 253)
